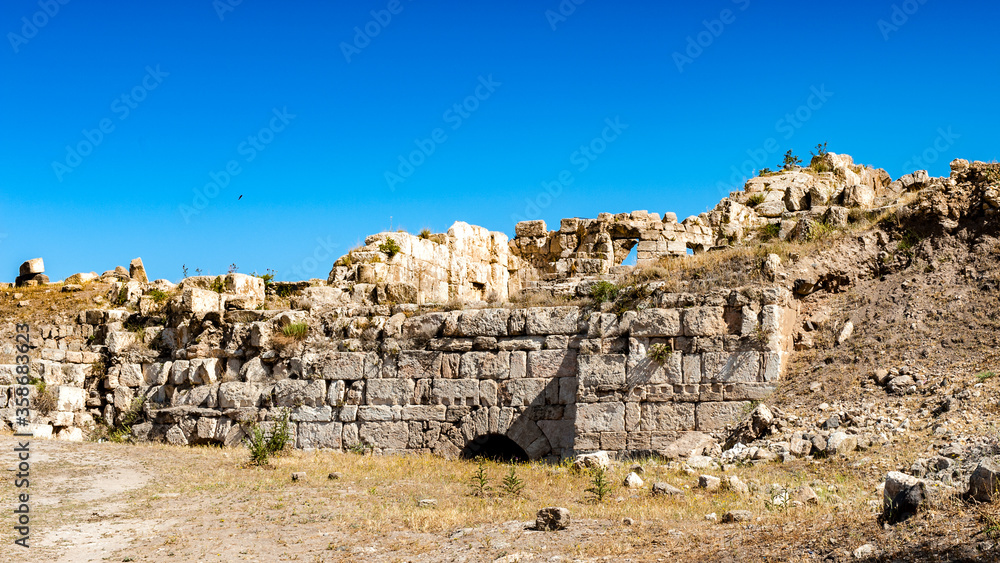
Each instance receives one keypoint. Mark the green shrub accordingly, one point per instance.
(425, 233)
(755, 200)
(790, 161)
(298, 331)
(820, 166)
(389, 247)
(268, 279)
(479, 484)
(764, 171)
(603, 292)
(512, 485)
(262, 446)
(159, 296)
(218, 285)
(600, 486)
(820, 150)
(770, 231)
(984, 375)
(659, 353)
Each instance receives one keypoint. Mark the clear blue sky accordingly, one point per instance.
(184, 89)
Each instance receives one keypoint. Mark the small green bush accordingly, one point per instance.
(600, 486)
(985, 375)
(159, 296)
(603, 292)
(790, 160)
(425, 233)
(263, 446)
(770, 231)
(479, 484)
(297, 331)
(764, 171)
(755, 200)
(389, 247)
(512, 485)
(218, 285)
(659, 353)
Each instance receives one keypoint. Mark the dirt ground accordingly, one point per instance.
(157, 503)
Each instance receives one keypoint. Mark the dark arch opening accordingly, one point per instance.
(496, 447)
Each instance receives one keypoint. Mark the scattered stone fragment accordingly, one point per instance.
(633, 481)
(596, 460)
(863, 551)
(984, 483)
(334, 476)
(709, 483)
(299, 476)
(806, 495)
(552, 518)
(666, 489)
(712, 517)
(736, 516)
(735, 484)
(427, 503)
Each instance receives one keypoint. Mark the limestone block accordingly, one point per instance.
(600, 417)
(319, 435)
(526, 229)
(485, 365)
(551, 363)
(524, 392)
(31, 267)
(389, 391)
(379, 413)
(392, 435)
(423, 327)
(657, 323)
(518, 365)
(714, 417)
(425, 412)
(552, 320)
(311, 414)
(239, 394)
(296, 393)
(201, 301)
(663, 417)
(180, 371)
(157, 373)
(560, 433)
(205, 371)
(607, 370)
(137, 271)
(568, 387)
(70, 398)
(483, 322)
(335, 365)
(254, 371)
(118, 341)
(418, 364)
(488, 393)
(457, 392)
(704, 321)
(644, 370)
(200, 396)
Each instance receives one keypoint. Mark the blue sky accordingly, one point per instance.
(501, 111)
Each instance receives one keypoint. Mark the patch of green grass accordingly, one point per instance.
(985, 375)
(390, 247)
(159, 296)
(660, 353)
(262, 446)
(218, 285)
(603, 292)
(425, 234)
(769, 232)
(755, 200)
(297, 331)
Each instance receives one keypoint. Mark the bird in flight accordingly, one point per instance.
(239, 198)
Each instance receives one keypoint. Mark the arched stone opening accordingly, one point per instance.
(496, 447)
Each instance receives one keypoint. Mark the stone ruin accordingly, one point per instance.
(382, 367)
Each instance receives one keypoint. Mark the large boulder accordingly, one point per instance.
(552, 518)
(984, 483)
(903, 496)
(33, 266)
(137, 271)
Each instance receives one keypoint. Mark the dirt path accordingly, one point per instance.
(78, 498)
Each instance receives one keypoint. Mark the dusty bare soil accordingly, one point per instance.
(113, 502)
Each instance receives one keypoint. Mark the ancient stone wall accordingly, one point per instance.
(468, 263)
(555, 380)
